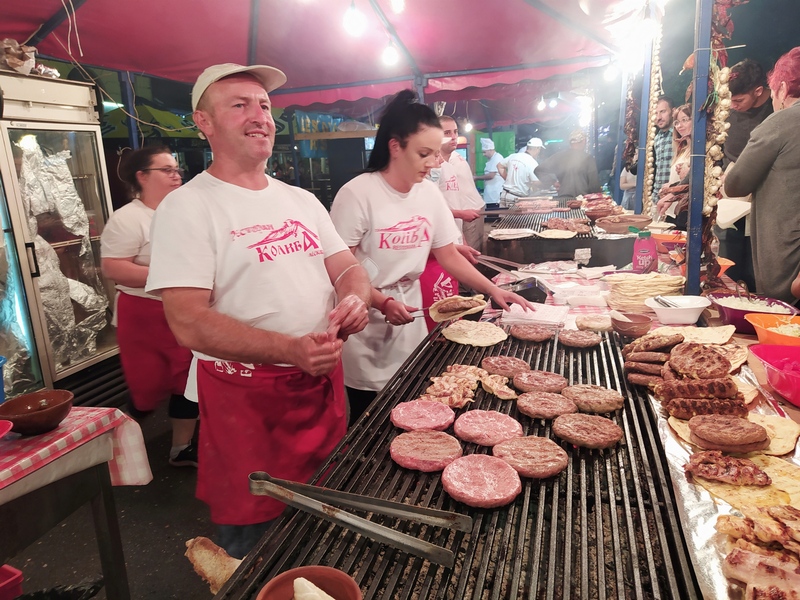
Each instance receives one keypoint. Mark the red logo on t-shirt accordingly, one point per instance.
(451, 184)
(405, 234)
(290, 238)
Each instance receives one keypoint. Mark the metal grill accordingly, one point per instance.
(523, 220)
(606, 527)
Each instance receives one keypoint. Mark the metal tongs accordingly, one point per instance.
(743, 286)
(315, 500)
(489, 261)
(665, 303)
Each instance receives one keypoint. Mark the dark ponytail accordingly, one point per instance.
(133, 162)
(403, 117)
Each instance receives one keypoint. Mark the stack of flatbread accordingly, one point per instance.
(630, 290)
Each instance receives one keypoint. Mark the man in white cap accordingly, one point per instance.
(518, 172)
(492, 182)
(250, 270)
(458, 186)
(575, 171)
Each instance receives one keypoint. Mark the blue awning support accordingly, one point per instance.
(702, 62)
(643, 119)
(53, 23)
(252, 34)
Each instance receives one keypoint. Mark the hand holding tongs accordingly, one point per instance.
(314, 499)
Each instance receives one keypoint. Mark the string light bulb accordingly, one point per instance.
(468, 127)
(553, 103)
(390, 55)
(399, 6)
(542, 105)
(354, 21)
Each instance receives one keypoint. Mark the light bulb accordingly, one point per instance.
(390, 55)
(541, 105)
(468, 127)
(354, 21)
(611, 72)
(553, 103)
(399, 6)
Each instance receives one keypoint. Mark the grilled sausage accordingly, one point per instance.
(696, 388)
(686, 408)
(642, 367)
(648, 357)
(641, 379)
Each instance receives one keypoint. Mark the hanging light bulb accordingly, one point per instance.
(542, 105)
(553, 103)
(354, 21)
(399, 6)
(468, 127)
(390, 55)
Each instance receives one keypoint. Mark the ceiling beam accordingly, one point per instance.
(564, 20)
(52, 23)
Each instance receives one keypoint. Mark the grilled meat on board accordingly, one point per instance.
(712, 464)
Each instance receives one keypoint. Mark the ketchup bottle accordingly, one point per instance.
(645, 255)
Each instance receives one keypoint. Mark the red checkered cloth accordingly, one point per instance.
(502, 278)
(21, 456)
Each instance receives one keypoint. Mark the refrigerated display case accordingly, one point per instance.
(58, 200)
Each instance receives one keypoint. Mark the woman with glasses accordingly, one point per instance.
(673, 202)
(155, 366)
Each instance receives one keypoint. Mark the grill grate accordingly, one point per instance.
(534, 221)
(606, 527)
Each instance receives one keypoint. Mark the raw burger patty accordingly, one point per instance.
(535, 457)
(594, 398)
(422, 414)
(486, 427)
(588, 431)
(481, 481)
(578, 339)
(545, 405)
(539, 381)
(426, 451)
(507, 366)
(531, 333)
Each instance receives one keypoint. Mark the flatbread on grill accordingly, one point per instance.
(699, 335)
(473, 333)
(556, 234)
(468, 306)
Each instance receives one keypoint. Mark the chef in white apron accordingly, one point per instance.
(392, 218)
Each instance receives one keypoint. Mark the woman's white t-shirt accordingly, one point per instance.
(393, 234)
(127, 234)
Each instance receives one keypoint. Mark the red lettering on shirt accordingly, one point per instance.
(290, 238)
(405, 235)
(451, 185)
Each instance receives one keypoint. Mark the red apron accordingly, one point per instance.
(268, 418)
(154, 364)
(436, 284)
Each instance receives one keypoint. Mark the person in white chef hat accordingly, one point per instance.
(518, 172)
(493, 182)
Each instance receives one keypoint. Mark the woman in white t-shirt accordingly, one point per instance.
(155, 365)
(679, 168)
(392, 217)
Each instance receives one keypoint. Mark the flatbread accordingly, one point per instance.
(750, 392)
(783, 433)
(472, 333)
(438, 317)
(736, 354)
(556, 234)
(700, 335)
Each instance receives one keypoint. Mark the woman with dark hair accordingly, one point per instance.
(392, 218)
(155, 366)
(769, 169)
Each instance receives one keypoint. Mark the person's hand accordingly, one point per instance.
(664, 203)
(315, 353)
(664, 190)
(468, 252)
(503, 298)
(348, 317)
(470, 214)
(397, 313)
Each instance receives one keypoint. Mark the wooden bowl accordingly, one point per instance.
(638, 326)
(620, 223)
(332, 581)
(597, 213)
(39, 412)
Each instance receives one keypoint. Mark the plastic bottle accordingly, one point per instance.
(645, 255)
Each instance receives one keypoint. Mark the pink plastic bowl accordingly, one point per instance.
(782, 364)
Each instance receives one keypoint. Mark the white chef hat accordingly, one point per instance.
(487, 144)
(535, 143)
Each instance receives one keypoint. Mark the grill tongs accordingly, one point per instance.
(318, 500)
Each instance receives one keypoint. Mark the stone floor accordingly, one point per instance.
(155, 521)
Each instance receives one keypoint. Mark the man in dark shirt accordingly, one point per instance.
(750, 104)
(575, 170)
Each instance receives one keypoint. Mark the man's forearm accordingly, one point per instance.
(354, 282)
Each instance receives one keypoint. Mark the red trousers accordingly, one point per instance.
(268, 418)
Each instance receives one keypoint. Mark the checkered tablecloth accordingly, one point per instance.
(21, 456)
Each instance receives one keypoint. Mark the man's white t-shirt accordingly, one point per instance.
(520, 174)
(261, 253)
(393, 234)
(492, 187)
(127, 235)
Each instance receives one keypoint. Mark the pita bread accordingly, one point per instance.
(750, 392)
(736, 354)
(700, 335)
(556, 234)
(782, 433)
(471, 333)
(438, 317)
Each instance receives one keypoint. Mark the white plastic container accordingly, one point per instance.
(689, 309)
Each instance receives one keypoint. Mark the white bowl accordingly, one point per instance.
(687, 312)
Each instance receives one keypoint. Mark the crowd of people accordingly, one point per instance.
(253, 309)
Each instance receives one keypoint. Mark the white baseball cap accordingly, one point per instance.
(535, 143)
(487, 144)
(270, 77)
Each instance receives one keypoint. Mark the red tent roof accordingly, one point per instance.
(449, 45)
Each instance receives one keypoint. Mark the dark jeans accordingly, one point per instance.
(238, 540)
(735, 246)
(358, 401)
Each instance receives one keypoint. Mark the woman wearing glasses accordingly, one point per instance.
(155, 366)
(673, 203)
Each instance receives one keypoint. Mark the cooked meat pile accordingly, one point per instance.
(712, 464)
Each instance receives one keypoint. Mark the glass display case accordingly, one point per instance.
(58, 202)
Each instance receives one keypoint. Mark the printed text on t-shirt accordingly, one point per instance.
(405, 235)
(290, 238)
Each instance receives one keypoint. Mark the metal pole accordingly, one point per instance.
(643, 119)
(252, 34)
(621, 139)
(702, 62)
(295, 161)
(127, 102)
